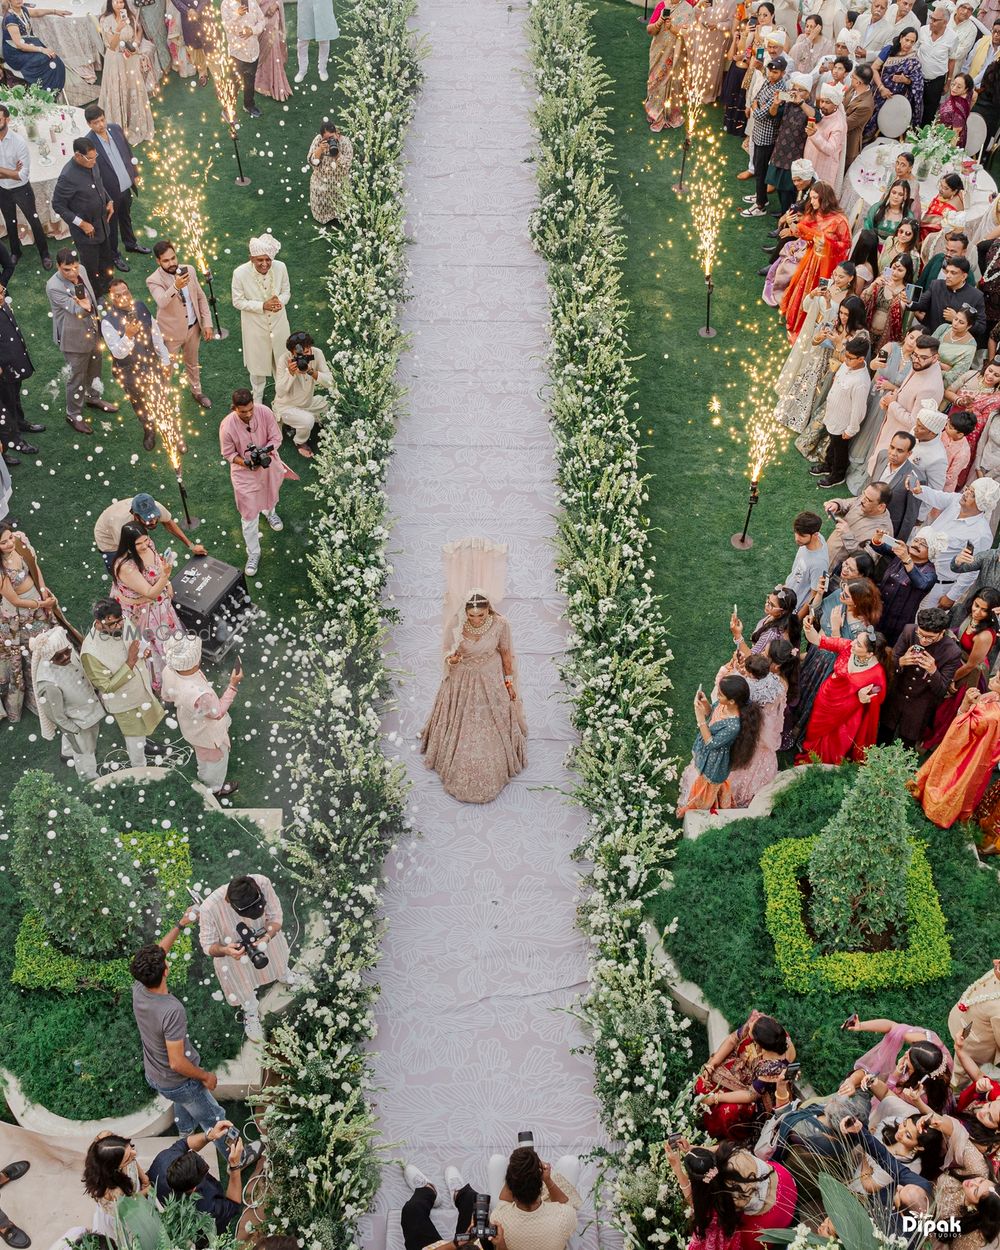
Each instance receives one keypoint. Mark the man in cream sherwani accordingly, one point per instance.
(261, 293)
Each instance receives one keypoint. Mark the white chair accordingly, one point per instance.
(895, 116)
(975, 134)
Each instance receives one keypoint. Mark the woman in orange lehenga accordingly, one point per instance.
(828, 233)
(661, 110)
(954, 778)
(738, 1080)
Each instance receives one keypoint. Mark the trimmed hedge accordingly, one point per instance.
(805, 968)
(40, 964)
(79, 1054)
(721, 941)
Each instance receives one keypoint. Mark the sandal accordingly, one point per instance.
(13, 1172)
(13, 1235)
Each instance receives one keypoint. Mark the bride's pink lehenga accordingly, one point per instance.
(475, 736)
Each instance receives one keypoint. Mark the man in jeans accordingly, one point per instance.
(169, 1058)
(763, 128)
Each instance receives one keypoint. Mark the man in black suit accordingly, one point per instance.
(83, 203)
(15, 368)
(117, 167)
(893, 466)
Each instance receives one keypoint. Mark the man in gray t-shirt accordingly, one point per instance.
(169, 1059)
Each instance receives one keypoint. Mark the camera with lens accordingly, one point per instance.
(257, 457)
(333, 147)
(481, 1226)
(249, 940)
(303, 362)
(79, 290)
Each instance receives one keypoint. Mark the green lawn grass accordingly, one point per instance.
(699, 484)
(58, 494)
(722, 943)
(78, 1054)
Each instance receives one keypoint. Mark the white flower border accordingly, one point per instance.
(616, 664)
(322, 1164)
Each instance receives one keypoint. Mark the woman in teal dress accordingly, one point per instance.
(891, 211)
(727, 738)
(857, 606)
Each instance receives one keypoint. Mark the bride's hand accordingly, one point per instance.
(454, 658)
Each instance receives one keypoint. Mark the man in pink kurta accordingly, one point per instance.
(826, 137)
(248, 900)
(923, 382)
(256, 489)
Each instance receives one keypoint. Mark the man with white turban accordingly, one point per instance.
(203, 718)
(929, 454)
(66, 700)
(826, 137)
(114, 659)
(965, 30)
(261, 292)
(963, 517)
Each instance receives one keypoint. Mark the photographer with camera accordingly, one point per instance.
(296, 403)
(181, 1170)
(240, 929)
(538, 1204)
(330, 159)
(473, 1226)
(248, 437)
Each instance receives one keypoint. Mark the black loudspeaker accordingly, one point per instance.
(211, 599)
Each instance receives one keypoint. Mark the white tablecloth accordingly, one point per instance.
(866, 178)
(49, 153)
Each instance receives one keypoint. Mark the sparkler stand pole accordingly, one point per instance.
(220, 330)
(242, 180)
(645, 12)
(740, 541)
(706, 331)
(679, 186)
(190, 522)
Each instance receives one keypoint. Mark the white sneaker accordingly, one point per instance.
(416, 1180)
(251, 566)
(750, 199)
(275, 521)
(252, 1026)
(300, 76)
(455, 1181)
(323, 75)
(754, 211)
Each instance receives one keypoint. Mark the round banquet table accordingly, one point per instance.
(49, 153)
(866, 178)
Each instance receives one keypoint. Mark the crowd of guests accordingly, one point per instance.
(913, 1130)
(885, 627)
(149, 343)
(145, 41)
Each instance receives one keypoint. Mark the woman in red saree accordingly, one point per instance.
(951, 782)
(828, 233)
(737, 1083)
(957, 105)
(978, 392)
(844, 720)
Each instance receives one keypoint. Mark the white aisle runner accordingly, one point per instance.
(482, 953)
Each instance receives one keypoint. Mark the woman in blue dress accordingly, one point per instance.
(25, 53)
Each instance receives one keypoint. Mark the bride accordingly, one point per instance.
(475, 736)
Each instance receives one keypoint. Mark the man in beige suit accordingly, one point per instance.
(182, 313)
(978, 1010)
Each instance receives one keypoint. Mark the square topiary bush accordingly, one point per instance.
(40, 965)
(804, 968)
